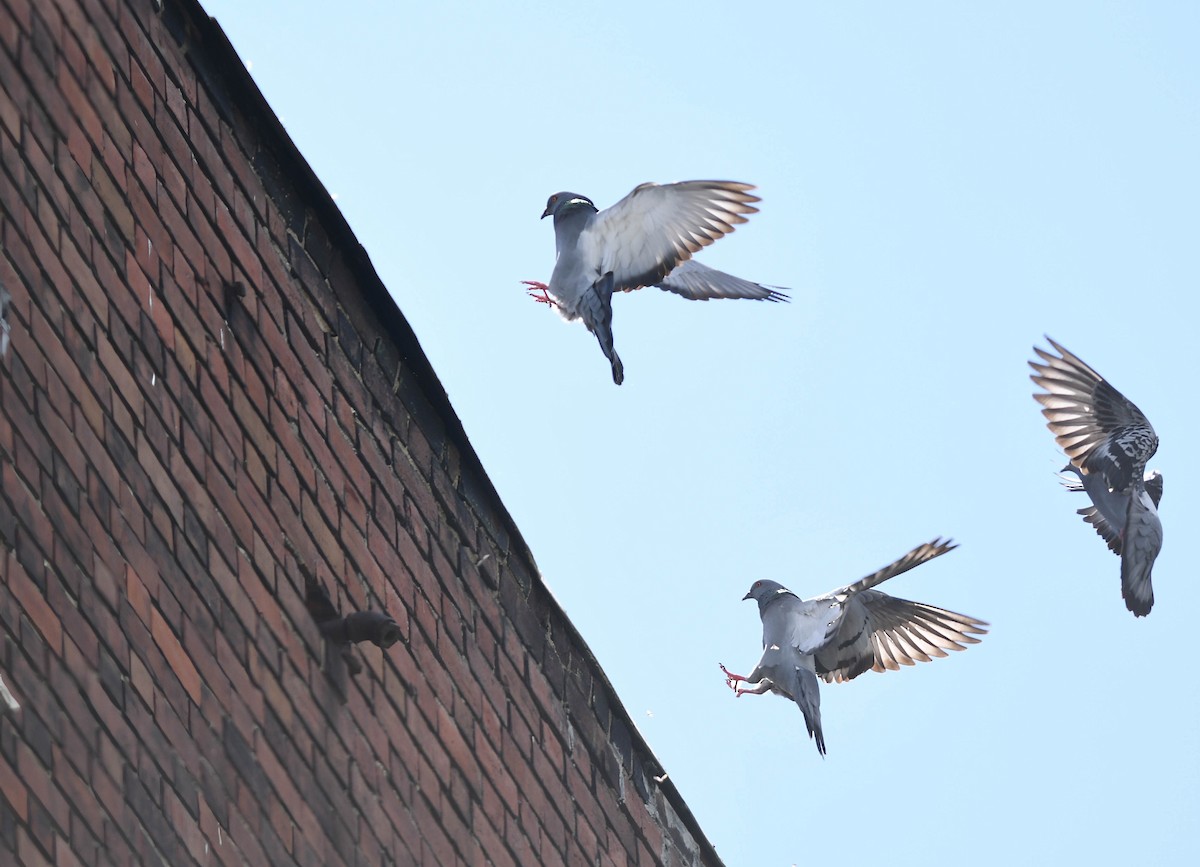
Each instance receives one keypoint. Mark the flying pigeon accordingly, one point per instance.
(840, 635)
(1109, 442)
(646, 239)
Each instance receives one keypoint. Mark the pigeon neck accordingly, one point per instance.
(766, 602)
(577, 210)
(569, 223)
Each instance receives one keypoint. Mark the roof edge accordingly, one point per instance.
(225, 68)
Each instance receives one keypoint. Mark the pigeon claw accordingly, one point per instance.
(536, 286)
(731, 680)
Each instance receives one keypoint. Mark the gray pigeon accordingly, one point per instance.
(840, 635)
(646, 239)
(1109, 442)
(5, 327)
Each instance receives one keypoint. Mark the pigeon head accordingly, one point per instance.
(564, 203)
(765, 592)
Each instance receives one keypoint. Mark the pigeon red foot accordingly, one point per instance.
(839, 635)
(536, 286)
(646, 239)
(731, 679)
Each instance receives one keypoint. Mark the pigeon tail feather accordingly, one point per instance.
(808, 698)
(595, 307)
(1141, 543)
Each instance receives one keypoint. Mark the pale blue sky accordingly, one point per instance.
(942, 184)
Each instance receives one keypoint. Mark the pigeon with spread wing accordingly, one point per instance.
(841, 634)
(1109, 442)
(646, 239)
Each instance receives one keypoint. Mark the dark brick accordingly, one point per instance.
(111, 679)
(153, 821)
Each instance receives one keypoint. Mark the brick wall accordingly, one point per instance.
(208, 396)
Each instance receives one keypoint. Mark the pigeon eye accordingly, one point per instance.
(757, 584)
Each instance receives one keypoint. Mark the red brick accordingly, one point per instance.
(290, 798)
(40, 785)
(176, 656)
(247, 414)
(13, 790)
(141, 679)
(34, 605)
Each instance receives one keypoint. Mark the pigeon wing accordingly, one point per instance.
(1103, 529)
(1098, 427)
(881, 633)
(921, 554)
(698, 282)
(1116, 504)
(643, 238)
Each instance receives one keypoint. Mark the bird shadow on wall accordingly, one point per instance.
(342, 631)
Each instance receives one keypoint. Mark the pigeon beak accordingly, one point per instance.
(546, 213)
(747, 596)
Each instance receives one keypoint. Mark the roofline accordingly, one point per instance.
(227, 69)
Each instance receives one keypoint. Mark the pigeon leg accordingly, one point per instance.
(536, 286)
(734, 681)
(740, 691)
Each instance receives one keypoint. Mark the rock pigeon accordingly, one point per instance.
(840, 635)
(646, 239)
(1109, 442)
